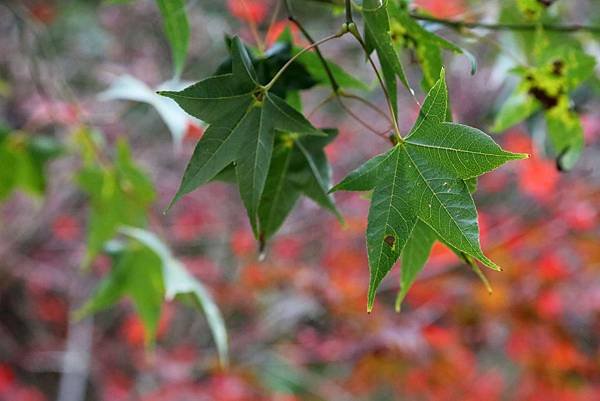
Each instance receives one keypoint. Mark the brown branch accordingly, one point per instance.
(458, 25)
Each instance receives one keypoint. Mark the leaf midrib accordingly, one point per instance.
(506, 155)
(440, 201)
(213, 155)
(177, 95)
(387, 218)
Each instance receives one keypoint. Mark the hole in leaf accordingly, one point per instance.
(390, 240)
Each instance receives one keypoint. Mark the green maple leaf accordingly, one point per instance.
(422, 180)
(379, 37)
(244, 117)
(547, 87)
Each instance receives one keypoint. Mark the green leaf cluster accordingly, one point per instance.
(145, 271)
(421, 192)
(23, 162)
(547, 87)
(119, 193)
(259, 136)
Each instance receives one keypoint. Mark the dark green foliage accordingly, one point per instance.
(422, 180)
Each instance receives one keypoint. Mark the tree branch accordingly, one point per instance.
(456, 24)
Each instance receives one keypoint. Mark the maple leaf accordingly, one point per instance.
(243, 116)
(422, 180)
(547, 86)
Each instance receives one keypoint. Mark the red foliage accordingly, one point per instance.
(535, 338)
(194, 132)
(66, 228)
(254, 11)
(442, 8)
(7, 378)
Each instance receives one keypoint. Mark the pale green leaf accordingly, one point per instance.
(178, 282)
(177, 29)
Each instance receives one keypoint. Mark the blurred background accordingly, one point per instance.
(297, 321)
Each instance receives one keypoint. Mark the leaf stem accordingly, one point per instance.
(381, 134)
(459, 24)
(300, 53)
(362, 43)
(253, 28)
(349, 19)
(366, 103)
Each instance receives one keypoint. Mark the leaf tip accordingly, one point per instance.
(370, 301)
(171, 204)
(399, 299)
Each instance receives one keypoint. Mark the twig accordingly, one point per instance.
(366, 103)
(301, 52)
(253, 27)
(456, 24)
(362, 122)
(334, 85)
(362, 43)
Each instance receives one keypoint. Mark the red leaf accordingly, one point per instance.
(7, 378)
(66, 228)
(442, 8)
(194, 132)
(254, 11)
